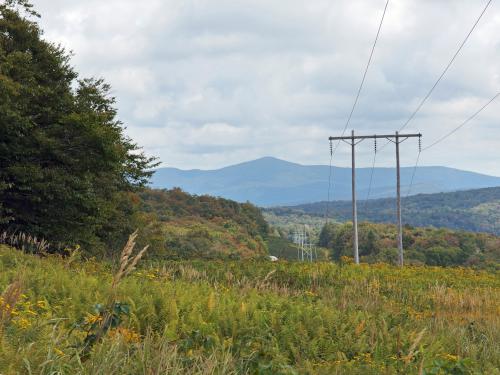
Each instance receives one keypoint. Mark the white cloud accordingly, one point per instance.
(204, 84)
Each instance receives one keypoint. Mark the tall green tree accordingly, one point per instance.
(65, 163)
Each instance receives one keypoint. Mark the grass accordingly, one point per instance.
(251, 317)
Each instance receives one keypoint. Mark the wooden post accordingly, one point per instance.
(398, 204)
(354, 208)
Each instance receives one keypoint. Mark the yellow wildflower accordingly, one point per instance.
(91, 319)
(22, 323)
(211, 301)
(128, 335)
(450, 357)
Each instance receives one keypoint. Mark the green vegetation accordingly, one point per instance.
(377, 242)
(66, 168)
(290, 221)
(435, 247)
(472, 210)
(188, 226)
(70, 175)
(248, 317)
(72, 188)
(178, 225)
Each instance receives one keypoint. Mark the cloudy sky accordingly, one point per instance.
(209, 83)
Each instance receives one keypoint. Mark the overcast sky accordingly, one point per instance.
(209, 83)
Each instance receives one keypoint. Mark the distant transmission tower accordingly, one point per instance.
(306, 252)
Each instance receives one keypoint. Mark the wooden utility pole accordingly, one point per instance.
(397, 140)
(398, 204)
(354, 208)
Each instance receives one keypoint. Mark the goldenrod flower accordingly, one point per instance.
(91, 319)
(22, 323)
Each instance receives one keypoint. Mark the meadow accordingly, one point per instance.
(229, 317)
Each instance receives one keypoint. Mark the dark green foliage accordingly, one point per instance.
(473, 210)
(435, 247)
(281, 248)
(327, 235)
(444, 256)
(195, 244)
(369, 244)
(105, 319)
(64, 160)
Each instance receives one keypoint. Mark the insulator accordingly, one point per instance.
(331, 148)
(419, 144)
(375, 139)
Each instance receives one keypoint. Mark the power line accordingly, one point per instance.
(364, 74)
(439, 140)
(414, 171)
(462, 124)
(333, 150)
(371, 173)
(445, 70)
(329, 185)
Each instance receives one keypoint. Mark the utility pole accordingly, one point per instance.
(397, 141)
(398, 204)
(354, 208)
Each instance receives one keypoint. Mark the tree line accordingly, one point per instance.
(67, 170)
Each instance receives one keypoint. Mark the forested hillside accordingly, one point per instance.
(188, 226)
(430, 246)
(472, 210)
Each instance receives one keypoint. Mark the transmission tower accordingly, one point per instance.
(306, 251)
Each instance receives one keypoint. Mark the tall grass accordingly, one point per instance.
(254, 317)
(25, 242)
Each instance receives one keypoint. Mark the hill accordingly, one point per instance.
(270, 182)
(188, 226)
(175, 225)
(472, 210)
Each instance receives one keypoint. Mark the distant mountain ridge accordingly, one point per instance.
(472, 210)
(273, 182)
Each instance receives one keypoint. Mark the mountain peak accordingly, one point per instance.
(269, 159)
(270, 181)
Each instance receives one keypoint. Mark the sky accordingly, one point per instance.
(210, 83)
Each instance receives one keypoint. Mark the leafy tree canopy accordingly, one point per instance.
(65, 162)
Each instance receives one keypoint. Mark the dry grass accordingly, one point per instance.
(25, 242)
(8, 301)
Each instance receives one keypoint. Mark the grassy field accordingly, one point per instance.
(247, 317)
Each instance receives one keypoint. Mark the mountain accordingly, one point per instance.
(271, 182)
(473, 210)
